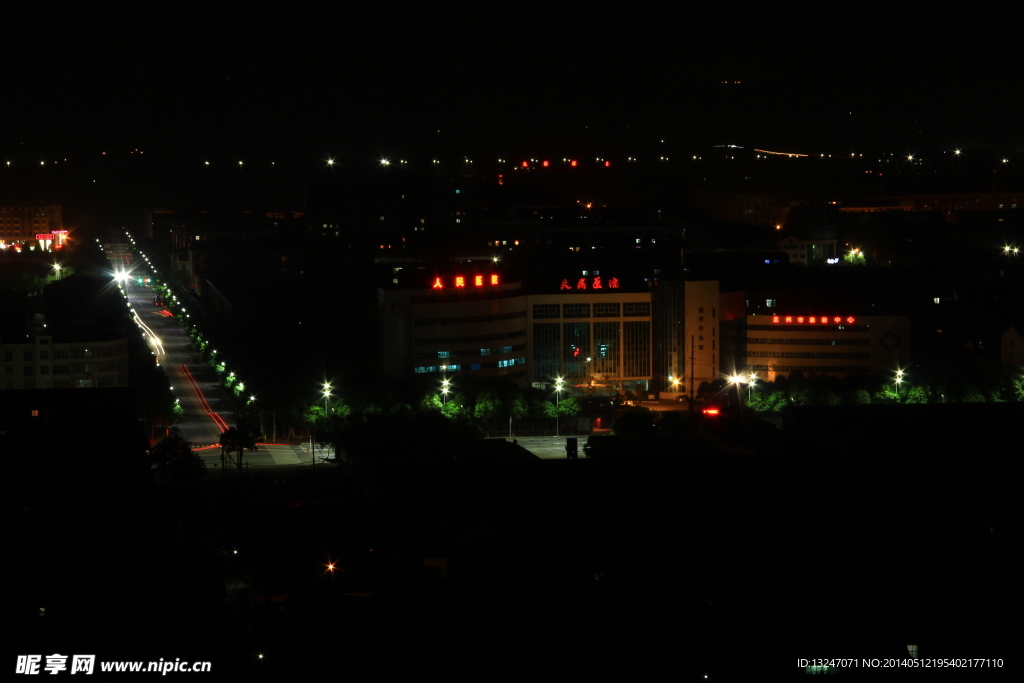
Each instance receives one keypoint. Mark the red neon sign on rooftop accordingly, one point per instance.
(463, 281)
(812, 320)
(594, 283)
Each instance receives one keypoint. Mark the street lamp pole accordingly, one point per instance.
(558, 395)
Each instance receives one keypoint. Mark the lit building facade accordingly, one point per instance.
(35, 227)
(593, 338)
(460, 321)
(599, 332)
(825, 344)
(42, 363)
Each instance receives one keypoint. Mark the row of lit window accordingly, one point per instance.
(809, 342)
(633, 309)
(804, 354)
(455, 367)
(471, 352)
(810, 368)
(62, 384)
(29, 355)
(805, 328)
(29, 370)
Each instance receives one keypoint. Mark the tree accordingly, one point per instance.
(569, 407)
(487, 407)
(174, 458)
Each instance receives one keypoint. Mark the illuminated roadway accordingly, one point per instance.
(209, 408)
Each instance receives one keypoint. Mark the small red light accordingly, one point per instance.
(544, 164)
(572, 163)
(607, 163)
(526, 164)
(711, 411)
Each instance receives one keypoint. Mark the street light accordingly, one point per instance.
(444, 392)
(899, 380)
(736, 380)
(558, 390)
(327, 392)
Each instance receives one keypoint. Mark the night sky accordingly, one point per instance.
(507, 79)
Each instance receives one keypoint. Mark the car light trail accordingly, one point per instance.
(781, 154)
(217, 419)
(153, 339)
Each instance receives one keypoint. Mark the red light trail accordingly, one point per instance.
(217, 419)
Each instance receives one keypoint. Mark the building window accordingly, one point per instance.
(545, 311)
(576, 310)
(636, 309)
(576, 349)
(546, 343)
(636, 348)
(27, 355)
(606, 310)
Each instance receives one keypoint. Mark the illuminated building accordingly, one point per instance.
(44, 363)
(825, 343)
(466, 319)
(593, 329)
(36, 226)
(820, 249)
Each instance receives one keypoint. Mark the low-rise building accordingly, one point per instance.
(43, 362)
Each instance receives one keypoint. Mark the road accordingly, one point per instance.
(210, 408)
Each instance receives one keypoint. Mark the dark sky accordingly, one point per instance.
(292, 79)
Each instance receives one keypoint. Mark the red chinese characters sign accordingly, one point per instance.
(464, 281)
(590, 283)
(812, 320)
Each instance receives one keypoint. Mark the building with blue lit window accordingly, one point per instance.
(465, 319)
